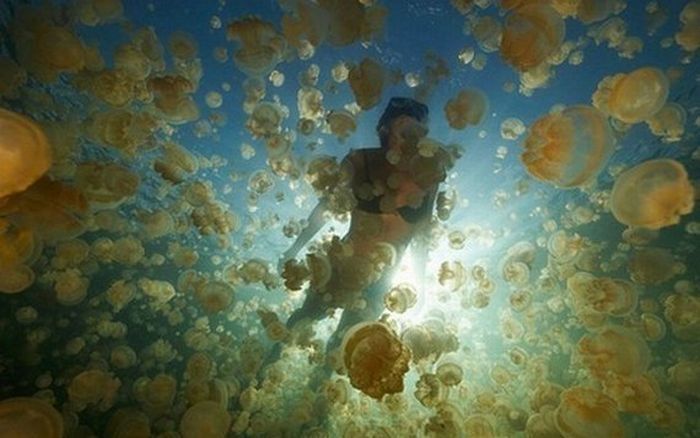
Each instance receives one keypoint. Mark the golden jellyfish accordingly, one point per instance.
(199, 366)
(171, 95)
(400, 298)
(205, 419)
(601, 294)
(160, 291)
(682, 311)
(449, 373)
(29, 417)
(25, 154)
(341, 123)
(53, 210)
(182, 45)
(569, 148)
(367, 82)
(531, 33)
(176, 163)
(130, 59)
(487, 32)
(310, 103)
(71, 287)
(585, 412)
(614, 349)
(669, 122)
(654, 194)
(429, 391)
(156, 395)
(122, 357)
(128, 422)
(684, 377)
(106, 185)
(126, 131)
(375, 359)
(688, 37)
(591, 11)
(93, 387)
(265, 120)
(157, 224)
(479, 425)
(652, 266)
(468, 107)
(215, 296)
(261, 47)
(636, 394)
(632, 97)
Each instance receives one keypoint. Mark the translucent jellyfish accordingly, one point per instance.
(25, 154)
(636, 394)
(585, 412)
(160, 291)
(591, 11)
(128, 422)
(449, 373)
(512, 128)
(182, 45)
(176, 164)
(478, 425)
(652, 266)
(157, 224)
(682, 311)
(53, 210)
(614, 349)
(206, 418)
(171, 96)
(467, 108)
(652, 195)
(71, 287)
(688, 37)
(128, 251)
(266, 120)
(429, 391)
(261, 47)
(487, 32)
(428, 342)
(684, 377)
(375, 359)
(400, 298)
(605, 295)
(342, 124)
(669, 122)
(570, 148)
(215, 296)
(29, 417)
(122, 357)
(531, 33)
(106, 185)
(120, 294)
(93, 387)
(129, 58)
(156, 395)
(632, 97)
(367, 82)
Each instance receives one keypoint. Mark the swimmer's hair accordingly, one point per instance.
(400, 106)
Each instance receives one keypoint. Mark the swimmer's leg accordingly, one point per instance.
(313, 309)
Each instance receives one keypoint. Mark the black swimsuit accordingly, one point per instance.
(407, 213)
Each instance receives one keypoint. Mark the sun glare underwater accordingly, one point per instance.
(349, 218)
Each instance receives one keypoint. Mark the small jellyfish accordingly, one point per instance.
(531, 33)
(689, 35)
(261, 47)
(400, 298)
(669, 122)
(367, 82)
(25, 154)
(215, 296)
(632, 97)
(375, 358)
(182, 45)
(654, 194)
(467, 108)
(570, 148)
(585, 412)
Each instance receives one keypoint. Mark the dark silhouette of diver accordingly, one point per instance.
(397, 220)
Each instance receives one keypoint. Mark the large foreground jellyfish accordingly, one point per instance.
(25, 153)
(531, 33)
(570, 148)
(632, 97)
(375, 359)
(654, 194)
(29, 417)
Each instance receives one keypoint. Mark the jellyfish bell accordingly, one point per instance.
(531, 33)
(585, 412)
(25, 153)
(29, 417)
(632, 97)
(570, 148)
(375, 359)
(653, 195)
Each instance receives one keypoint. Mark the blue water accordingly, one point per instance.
(498, 204)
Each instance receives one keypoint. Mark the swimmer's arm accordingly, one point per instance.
(421, 243)
(316, 221)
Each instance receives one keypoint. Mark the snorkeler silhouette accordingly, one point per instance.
(395, 187)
